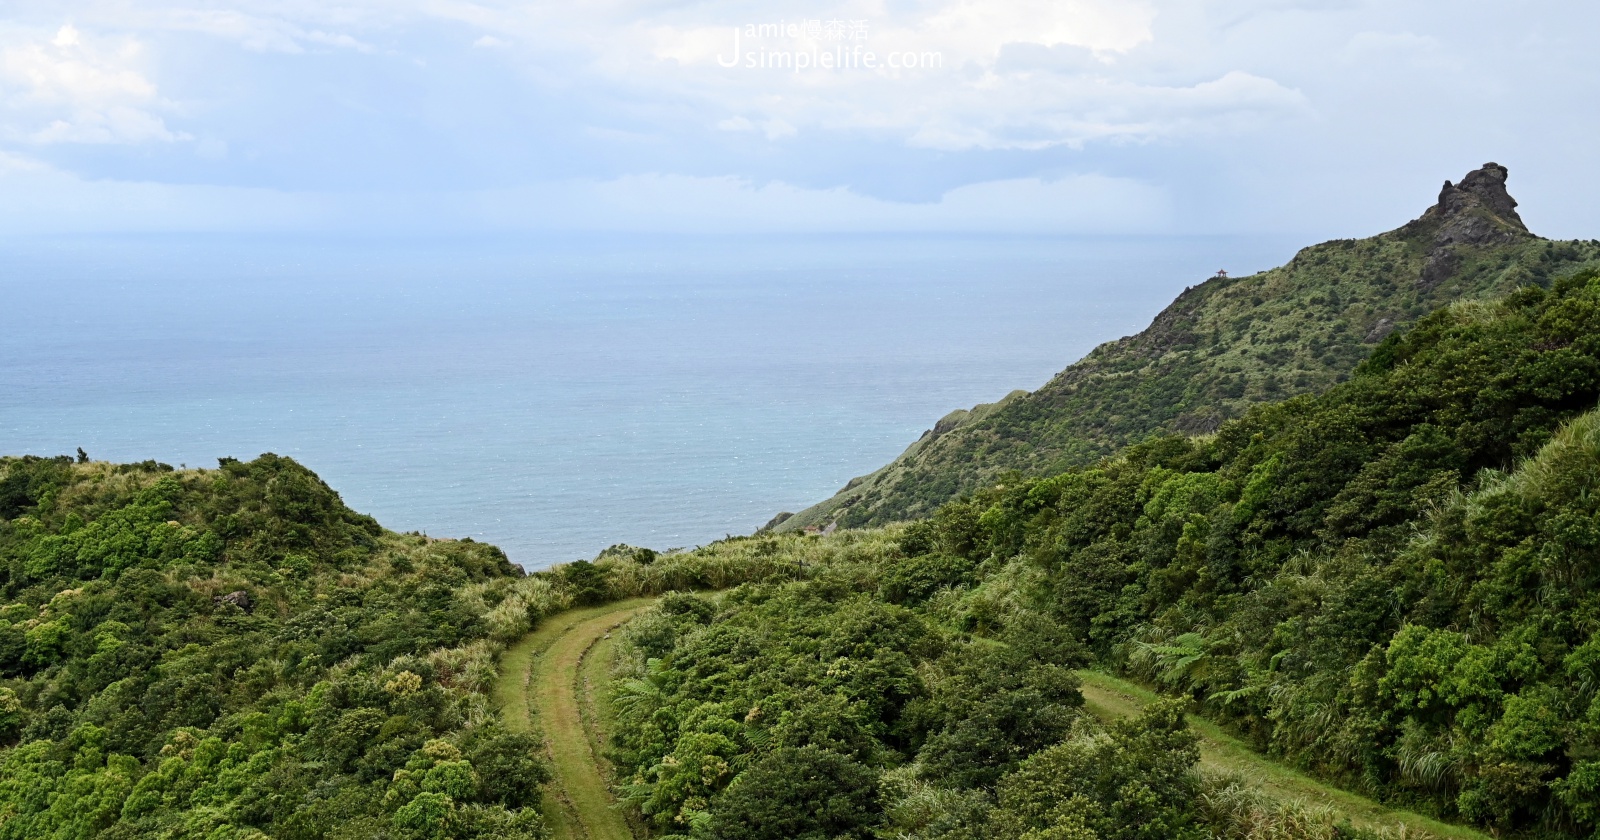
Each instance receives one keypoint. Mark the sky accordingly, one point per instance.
(1325, 117)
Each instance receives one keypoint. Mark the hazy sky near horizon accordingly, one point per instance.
(1328, 117)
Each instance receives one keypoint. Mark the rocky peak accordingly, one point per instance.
(1477, 211)
(1485, 187)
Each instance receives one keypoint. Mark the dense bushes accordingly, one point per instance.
(799, 710)
(221, 652)
(227, 652)
(775, 709)
(798, 793)
(1134, 782)
(1395, 585)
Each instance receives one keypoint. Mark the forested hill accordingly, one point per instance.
(234, 654)
(1222, 346)
(1394, 585)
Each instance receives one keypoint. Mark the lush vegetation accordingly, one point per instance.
(813, 694)
(229, 652)
(233, 653)
(1223, 346)
(1392, 583)
(1356, 581)
(818, 708)
(1395, 585)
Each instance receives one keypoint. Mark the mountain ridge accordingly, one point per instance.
(1219, 347)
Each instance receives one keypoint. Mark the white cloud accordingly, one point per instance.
(69, 88)
(13, 164)
(117, 124)
(63, 69)
(1075, 110)
(66, 36)
(1232, 101)
(1002, 74)
(265, 26)
(991, 74)
(977, 29)
(252, 32)
(776, 129)
(336, 39)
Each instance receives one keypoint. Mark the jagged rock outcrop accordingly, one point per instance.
(238, 598)
(1479, 211)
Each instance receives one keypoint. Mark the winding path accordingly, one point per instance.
(1109, 699)
(542, 689)
(539, 684)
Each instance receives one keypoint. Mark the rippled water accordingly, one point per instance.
(555, 397)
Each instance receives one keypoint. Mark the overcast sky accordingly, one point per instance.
(1323, 117)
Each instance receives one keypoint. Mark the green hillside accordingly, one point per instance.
(1393, 586)
(1222, 346)
(233, 653)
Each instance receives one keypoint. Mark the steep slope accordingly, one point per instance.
(1222, 346)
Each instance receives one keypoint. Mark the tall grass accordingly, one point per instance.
(739, 560)
(1236, 811)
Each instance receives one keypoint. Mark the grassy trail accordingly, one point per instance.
(1109, 698)
(599, 718)
(550, 679)
(540, 681)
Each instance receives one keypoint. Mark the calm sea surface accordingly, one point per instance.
(556, 397)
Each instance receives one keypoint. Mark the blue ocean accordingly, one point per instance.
(555, 397)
